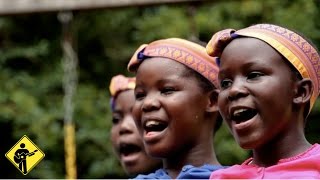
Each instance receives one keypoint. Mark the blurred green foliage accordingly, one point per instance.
(31, 93)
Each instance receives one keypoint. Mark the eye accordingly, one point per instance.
(254, 75)
(224, 84)
(168, 90)
(139, 95)
(115, 120)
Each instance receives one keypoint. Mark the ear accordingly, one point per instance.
(303, 92)
(212, 105)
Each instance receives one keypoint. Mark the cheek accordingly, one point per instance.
(276, 95)
(114, 135)
(222, 103)
(136, 113)
(182, 101)
(223, 107)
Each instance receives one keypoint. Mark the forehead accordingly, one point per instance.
(247, 46)
(250, 51)
(125, 99)
(158, 67)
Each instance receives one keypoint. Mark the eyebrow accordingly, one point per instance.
(167, 80)
(117, 111)
(250, 64)
(175, 78)
(222, 72)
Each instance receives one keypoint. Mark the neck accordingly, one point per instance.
(285, 145)
(196, 156)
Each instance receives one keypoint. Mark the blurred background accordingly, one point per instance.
(32, 89)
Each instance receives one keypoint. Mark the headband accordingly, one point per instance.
(186, 52)
(118, 84)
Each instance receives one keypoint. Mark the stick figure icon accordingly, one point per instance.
(20, 157)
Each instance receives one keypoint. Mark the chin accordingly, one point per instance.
(133, 172)
(245, 144)
(158, 152)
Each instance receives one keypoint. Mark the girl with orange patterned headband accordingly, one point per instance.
(269, 80)
(175, 109)
(125, 138)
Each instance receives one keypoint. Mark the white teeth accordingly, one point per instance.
(238, 111)
(152, 123)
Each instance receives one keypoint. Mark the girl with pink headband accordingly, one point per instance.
(176, 107)
(269, 81)
(125, 138)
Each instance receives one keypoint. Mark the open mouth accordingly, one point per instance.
(155, 126)
(128, 149)
(242, 115)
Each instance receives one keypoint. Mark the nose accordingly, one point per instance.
(237, 90)
(127, 125)
(150, 103)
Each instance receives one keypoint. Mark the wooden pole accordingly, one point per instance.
(11, 7)
(70, 81)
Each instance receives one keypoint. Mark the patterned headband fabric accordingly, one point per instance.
(120, 83)
(299, 52)
(188, 53)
